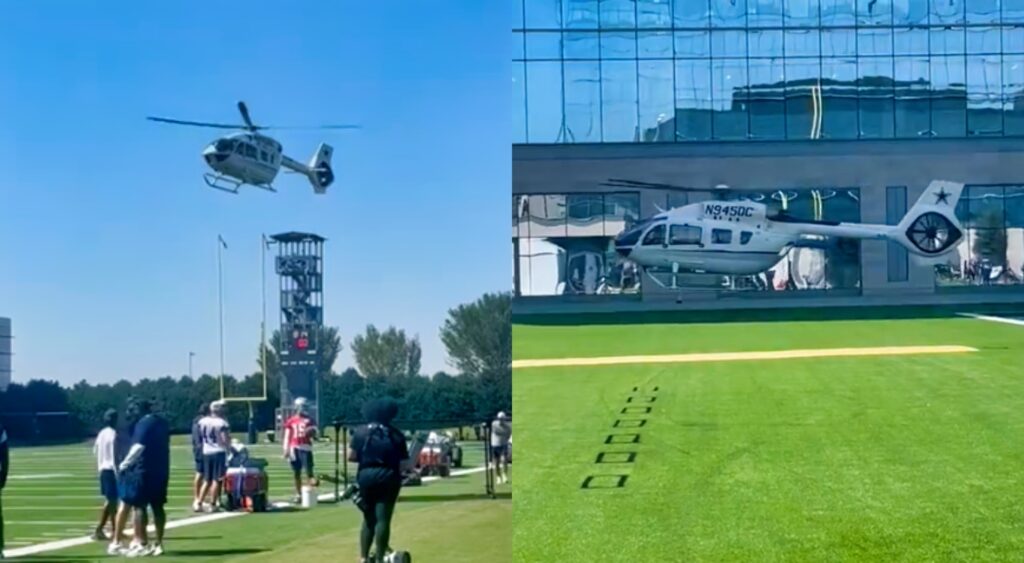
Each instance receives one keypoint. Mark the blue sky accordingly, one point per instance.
(109, 235)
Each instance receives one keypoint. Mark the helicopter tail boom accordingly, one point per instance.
(319, 170)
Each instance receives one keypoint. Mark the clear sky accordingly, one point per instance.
(108, 235)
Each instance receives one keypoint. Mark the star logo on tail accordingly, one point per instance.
(942, 196)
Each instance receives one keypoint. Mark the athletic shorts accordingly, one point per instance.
(215, 466)
(302, 460)
(154, 490)
(108, 485)
(377, 485)
(498, 452)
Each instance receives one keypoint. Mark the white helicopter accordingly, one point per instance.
(252, 158)
(740, 238)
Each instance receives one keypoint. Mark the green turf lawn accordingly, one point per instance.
(915, 458)
(427, 518)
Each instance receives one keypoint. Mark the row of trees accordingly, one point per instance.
(477, 337)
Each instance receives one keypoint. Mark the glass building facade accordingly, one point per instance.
(992, 252)
(662, 71)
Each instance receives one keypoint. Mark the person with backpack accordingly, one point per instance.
(382, 453)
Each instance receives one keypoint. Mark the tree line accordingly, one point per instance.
(477, 337)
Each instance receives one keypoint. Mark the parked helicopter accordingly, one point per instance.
(252, 158)
(740, 238)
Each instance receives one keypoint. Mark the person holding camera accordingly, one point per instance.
(382, 453)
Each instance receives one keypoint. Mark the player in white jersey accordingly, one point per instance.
(215, 436)
(106, 465)
(501, 434)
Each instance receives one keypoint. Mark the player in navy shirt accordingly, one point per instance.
(151, 455)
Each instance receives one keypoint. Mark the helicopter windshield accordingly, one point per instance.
(632, 236)
(224, 145)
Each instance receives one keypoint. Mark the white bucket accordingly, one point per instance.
(309, 497)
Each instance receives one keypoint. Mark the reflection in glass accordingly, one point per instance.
(542, 14)
(982, 11)
(949, 100)
(654, 14)
(692, 44)
(875, 85)
(801, 13)
(838, 12)
(618, 13)
(838, 99)
(693, 99)
(582, 102)
(910, 41)
(547, 215)
(946, 11)
(654, 44)
(766, 42)
(802, 86)
(728, 13)
(726, 43)
(618, 44)
(656, 101)
(874, 41)
(767, 99)
(581, 45)
(619, 100)
(802, 42)
(543, 45)
(983, 40)
(874, 12)
(729, 81)
(984, 95)
(913, 100)
(544, 98)
(1013, 95)
(621, 211)
(764, 13)
(841, 42)
(946, 40)
(691, 13)
(580, 14)
(585, 215)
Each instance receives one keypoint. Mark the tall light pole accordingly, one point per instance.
(220, 300)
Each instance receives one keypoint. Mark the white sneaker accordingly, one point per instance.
(116, 549)
(137, 550)
(157, 551)
(197, 506)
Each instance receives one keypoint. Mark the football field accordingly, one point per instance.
(845, 440)
(53, 495)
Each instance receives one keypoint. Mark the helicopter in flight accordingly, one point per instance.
(739, 237)
(249, 157)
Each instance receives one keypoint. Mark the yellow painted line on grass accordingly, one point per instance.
(744, 356)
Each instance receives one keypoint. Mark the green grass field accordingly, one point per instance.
(446, 520)
(900, 458)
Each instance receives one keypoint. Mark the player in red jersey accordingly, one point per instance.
(299, 431)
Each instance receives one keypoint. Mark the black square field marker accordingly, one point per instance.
(604, 482)
(629, 423)
(635, 410)
(616, 457)
(622, 439)
(641, 399)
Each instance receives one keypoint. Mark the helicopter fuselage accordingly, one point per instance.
(247, 157)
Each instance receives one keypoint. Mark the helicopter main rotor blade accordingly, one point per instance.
(195, 123)
(308, 127)
(245, 116)
(619, 183)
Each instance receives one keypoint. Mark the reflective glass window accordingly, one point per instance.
(721, 236)
(910, 12)
(691, 13)
(693, 99)
(1013, 39)
(767, 99)
(653, 14)
(581, 14)
(801, 98)
(621, 210)
(692, 44)
(1013, 94)
(838, 12)
(547, 215)
(544, 101)
(1013, 11)
(946, 11)
(839, 42)
(655, 236)
(684, 234)
(543, 45)
(803, 42)
(874, 41)
(582, 102)
(728, 13)
(875, 87)
(910, 41)
(801, 13)
(250, 151)
(766, 42)
(913, 99)
(543, 14)
(983, 40)
(1014, 203)
(982, 11)
(585, 214)
(656, 101)
(519, 102)
(947, 40)
(654, 44)
(874, 12)
(729, 85)
(838, 99)
(985, 207)
(618, 44)
(581, 45)
(617, 13)
(745, 237)
(764, 13)
(728, 43)
(619, 100)
(984, 95)
(949, 98)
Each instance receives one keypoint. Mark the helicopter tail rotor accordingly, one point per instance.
(931, 228)
(320, 173)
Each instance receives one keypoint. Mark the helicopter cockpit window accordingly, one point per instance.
(250, 151)
(655, 236)
(225, 145)
(685, 234)
(745, 237)
(721, 236)
(240, 148)
(263, 156)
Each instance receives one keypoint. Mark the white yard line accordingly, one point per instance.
(1004, 320)
(74, 542)
(744, 356)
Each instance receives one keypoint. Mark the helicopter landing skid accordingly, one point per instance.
(229, 184)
